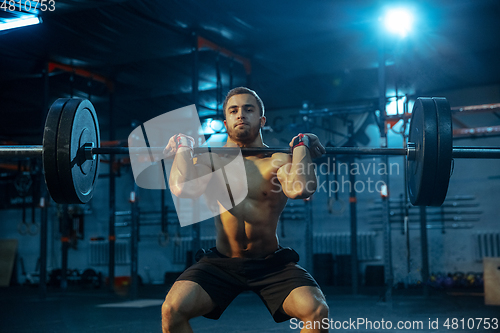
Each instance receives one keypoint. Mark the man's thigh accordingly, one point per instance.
(274, 288)
(218, 283)
(189, 299)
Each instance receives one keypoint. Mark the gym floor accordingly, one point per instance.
(98, 310)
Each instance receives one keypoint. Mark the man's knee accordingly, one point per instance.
(322, 310)
(316, 311)
(172, 317)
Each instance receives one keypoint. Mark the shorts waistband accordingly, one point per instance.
(220, 255)
(281, 256)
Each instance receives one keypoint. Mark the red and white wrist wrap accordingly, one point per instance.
(300, 140)
(184, 141)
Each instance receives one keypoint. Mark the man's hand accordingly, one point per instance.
(176, 142)
(311, 141)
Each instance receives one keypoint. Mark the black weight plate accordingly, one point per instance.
(445, 150)
(49, 155)
(78, 125)
(422, 169)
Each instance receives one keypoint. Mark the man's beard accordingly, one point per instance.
(245, 136)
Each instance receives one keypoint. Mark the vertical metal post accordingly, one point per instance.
(353, 217)
(112, 200)
(134, 243)
(388, 272)
(44, 199)
(382, 89)
(64, 220)
(354, 232)
(425, 250)
(45, 101)
(195, 230)
(406, 220)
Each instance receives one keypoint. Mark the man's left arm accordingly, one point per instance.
(298, 178)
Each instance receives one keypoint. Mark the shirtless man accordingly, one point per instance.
(247, 255)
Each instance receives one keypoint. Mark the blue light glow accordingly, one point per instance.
(394, 108)
(20, 22)
(212, 126)
(399, 21)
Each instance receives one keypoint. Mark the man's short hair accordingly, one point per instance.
(240, 91)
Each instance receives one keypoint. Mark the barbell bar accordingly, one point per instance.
(457, 152)
(71, 143)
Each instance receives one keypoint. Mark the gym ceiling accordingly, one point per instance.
(322, 51)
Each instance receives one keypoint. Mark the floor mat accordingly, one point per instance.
(140, 303)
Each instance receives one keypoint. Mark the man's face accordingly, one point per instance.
(243, 119)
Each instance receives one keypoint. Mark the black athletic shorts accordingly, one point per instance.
(272, 278)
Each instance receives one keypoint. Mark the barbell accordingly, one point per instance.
(71, 142)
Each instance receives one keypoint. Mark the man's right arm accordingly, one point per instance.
(189, 177)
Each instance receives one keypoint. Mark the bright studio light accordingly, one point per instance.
(398, 21)
(395, 107)
(21, 22)
(211, 126)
